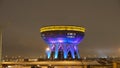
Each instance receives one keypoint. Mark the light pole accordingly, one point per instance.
(48, 53)
(0, 47)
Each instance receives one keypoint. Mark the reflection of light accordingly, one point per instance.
(52, 47)
(75, 47)
(38, 65)
(60, 41)
(9, 66)
(52, 41)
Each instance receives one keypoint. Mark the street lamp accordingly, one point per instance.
(48, 52)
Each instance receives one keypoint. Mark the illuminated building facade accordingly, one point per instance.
(63, 41)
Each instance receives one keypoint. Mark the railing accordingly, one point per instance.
(114, 65)
(60, 65)
(99, 66)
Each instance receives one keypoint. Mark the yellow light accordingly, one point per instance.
(52, 28)
(48, 49)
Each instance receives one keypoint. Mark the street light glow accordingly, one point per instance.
(47, 49)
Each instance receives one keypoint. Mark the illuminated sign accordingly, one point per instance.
(52, 28)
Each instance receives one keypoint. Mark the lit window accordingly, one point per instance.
(71, 34)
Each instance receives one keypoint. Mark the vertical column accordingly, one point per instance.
(65, 51)
(0, 48)
(56, 51)
(77, 51)
(72, 51)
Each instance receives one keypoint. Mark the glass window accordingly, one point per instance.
(71, 34)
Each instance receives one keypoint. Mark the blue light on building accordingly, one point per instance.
(62, 40)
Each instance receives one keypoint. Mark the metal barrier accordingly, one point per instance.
(113, 65)
(99, 66)
(118, 65)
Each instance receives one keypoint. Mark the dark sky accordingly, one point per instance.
(21, 20)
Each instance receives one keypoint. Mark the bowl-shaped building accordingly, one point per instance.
(63, 41)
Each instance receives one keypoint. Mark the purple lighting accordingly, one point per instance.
(63, 43)
(60, 41)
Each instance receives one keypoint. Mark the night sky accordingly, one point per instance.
(22, 19)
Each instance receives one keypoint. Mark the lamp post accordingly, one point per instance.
(0, 48)
(48, 53)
